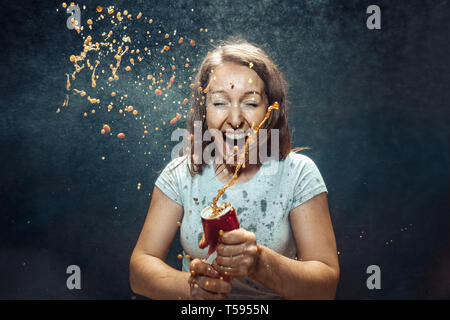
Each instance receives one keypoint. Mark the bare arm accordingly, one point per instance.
(315, 275)
(150, 276)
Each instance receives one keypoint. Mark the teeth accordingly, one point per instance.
(235, 136)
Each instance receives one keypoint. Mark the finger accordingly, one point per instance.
(227, 271)
(203, 244)
(231, 262)
(240, 269)
(215, 286)
(198, 267)
(198, 293)
(237, 236)
(231, 250)
(234, 272)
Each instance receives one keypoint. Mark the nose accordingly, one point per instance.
(235, 117)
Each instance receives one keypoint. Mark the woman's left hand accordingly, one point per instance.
(237, 253)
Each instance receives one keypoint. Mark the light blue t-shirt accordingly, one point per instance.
(262, 205)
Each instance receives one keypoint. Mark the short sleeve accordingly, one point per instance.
(169, 180)
(309, 182)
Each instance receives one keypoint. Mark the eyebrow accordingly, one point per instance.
(245, 93)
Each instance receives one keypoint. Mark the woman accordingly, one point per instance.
(285, 247)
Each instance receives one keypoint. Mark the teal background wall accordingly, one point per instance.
(371, 104)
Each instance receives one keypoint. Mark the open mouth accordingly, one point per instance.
(234, 139)
(234, 143)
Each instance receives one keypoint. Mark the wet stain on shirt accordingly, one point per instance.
(270, 225)
(263, 205)
(240, 210)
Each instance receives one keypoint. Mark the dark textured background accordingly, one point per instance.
(372, 105)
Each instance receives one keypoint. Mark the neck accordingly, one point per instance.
(226, 171)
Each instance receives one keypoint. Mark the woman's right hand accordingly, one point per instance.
(205, 282)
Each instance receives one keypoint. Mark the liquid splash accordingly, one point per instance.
(128, 56)
(241, 163)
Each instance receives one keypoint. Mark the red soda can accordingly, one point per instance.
(212, 225)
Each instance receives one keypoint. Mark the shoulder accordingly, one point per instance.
(293, 165)
(302, 167)
(178, 165)
(298, 161)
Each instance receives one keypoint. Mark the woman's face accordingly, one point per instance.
(235, 100)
